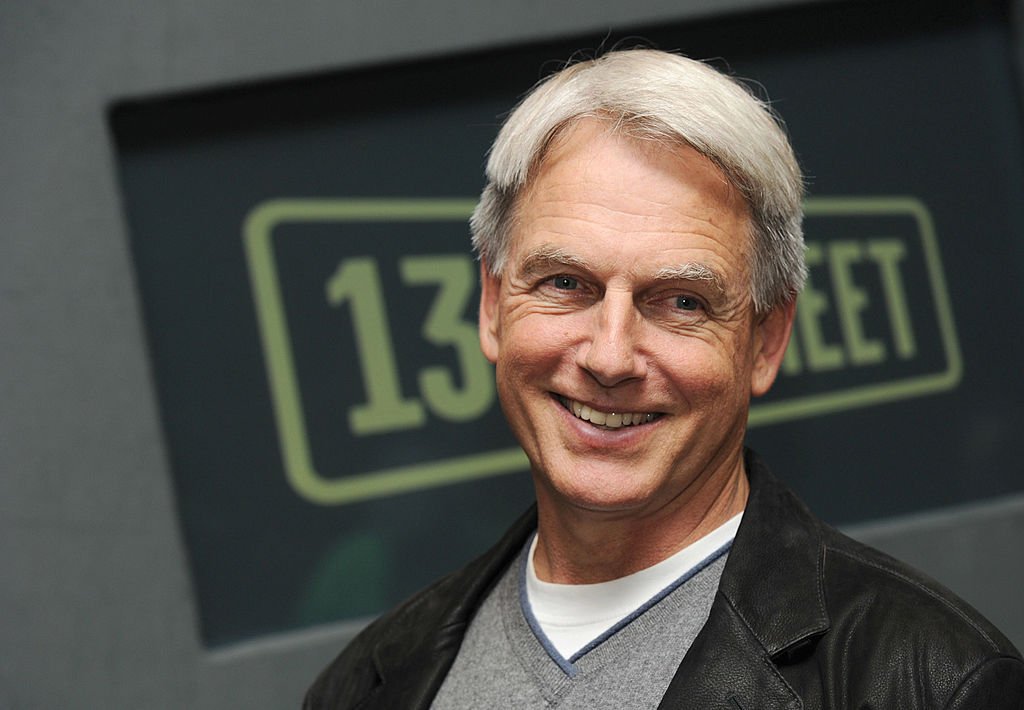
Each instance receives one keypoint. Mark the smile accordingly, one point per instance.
(608, 420)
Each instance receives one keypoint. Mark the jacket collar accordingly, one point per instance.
(411, 662)
(769, 610)
(774, 575)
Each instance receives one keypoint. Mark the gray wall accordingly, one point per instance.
(95, 599)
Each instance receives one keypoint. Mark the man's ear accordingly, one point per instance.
(771, 336)
(490, 291)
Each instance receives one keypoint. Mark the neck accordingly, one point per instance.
(581, 546)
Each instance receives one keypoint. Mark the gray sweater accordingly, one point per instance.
(506, 662)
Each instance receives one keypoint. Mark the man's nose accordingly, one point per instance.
(612, 354)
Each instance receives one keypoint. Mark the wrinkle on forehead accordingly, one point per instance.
(700, 199)
(595, 185)
(653, 147)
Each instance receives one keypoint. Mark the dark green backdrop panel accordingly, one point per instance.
(272, 225)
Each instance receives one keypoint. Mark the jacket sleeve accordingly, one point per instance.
(346, 681)
(996, 684)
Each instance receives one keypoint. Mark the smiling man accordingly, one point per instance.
(627, 348)
(641, 256)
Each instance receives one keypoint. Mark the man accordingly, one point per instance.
(641, 255)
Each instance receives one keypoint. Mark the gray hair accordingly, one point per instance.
(653, 95)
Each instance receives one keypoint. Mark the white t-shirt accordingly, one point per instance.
(573, 615)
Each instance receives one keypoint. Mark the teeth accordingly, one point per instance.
(610, 420)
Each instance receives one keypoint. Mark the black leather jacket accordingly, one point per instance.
(804, 618)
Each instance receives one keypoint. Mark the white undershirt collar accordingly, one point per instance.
(573, 615)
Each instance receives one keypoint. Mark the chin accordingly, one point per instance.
(601, 497)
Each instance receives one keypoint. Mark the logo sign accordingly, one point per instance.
(400, 323)
(396, 325)
(873, 323)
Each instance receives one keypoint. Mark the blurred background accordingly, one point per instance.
(242, 406)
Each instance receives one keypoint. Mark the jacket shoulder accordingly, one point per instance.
(353, 673)
(417, 641)
(906, 593)
(912, 627)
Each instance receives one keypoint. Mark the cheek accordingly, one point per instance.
(538, 338)
(528, 361)
(704, 372)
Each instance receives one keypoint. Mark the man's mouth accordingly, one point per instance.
(608, 420)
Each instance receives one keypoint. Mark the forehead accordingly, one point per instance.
(630, 199)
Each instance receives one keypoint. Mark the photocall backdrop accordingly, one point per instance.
(303, 259)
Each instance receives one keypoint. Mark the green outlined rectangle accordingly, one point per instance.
(895, 389)
(283, 378)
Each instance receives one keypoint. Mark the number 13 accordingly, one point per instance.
(357, 281)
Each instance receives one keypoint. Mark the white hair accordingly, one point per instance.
(654, 95)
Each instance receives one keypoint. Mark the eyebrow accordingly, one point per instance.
(543, 258)
(546, 257)
(691, 271)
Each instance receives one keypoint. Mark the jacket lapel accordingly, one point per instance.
(411, 664)
(769, 608)
(726, 667)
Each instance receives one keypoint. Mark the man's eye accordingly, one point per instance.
(687, 303)
(565, 283)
